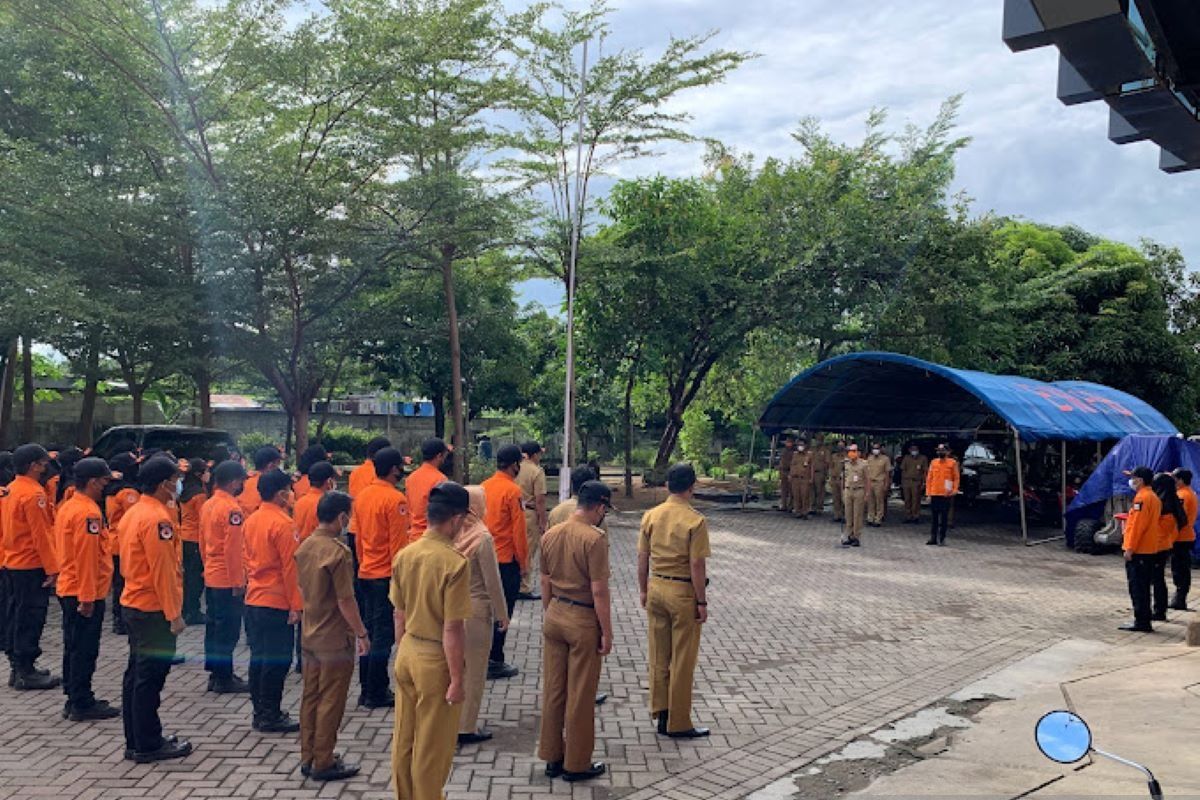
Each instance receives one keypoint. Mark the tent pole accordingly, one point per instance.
(749, 477)
(1062, 498)
(1020, 486)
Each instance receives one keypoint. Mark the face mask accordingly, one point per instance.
(800, 448)
(179, 487)
(875, 451)
(1133, 484)
(914, 452)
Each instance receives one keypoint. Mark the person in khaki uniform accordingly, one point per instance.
(913, 469)
(532, 480)
(332, 635)
(785, 474)
(576, 634)
(672, 577)
(802, 481)
(563, 511)
(821, 459)
(837, 469)
(488, 609)
(854, 495)
(431, 594)
(879, 482)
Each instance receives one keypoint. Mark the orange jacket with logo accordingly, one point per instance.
(150, 558)
(505, 519)
(417, 488)
(28, 527)
(115, 507)
(189, 517)
(942, 478)
(271, 543)
(250, 499)
(305, 512)
(1191, 505)
(222, 541)
(360, 478)
(1141, 527)
(84, 550)
(381, 511)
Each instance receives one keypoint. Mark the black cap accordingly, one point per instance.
(265, 456)
(126, 464)
(156, 470)
(26, 455)
(432, 448)
(386, 459)
(197, 466)
(451, 497)
(680, 478)
(508, 455)
(377, 444)
(531, 448)
(227, 472)
(1144, 473)
(580, 475)
(88, 468)
(272, 483)
(320, 472)
(595, 493)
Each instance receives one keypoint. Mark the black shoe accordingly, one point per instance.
(932, 541)
(941, 542)
(601, 698)
(481, 735)
(170, 749)
(855, 543)
(1179, 607)
(691, 733)
(98, 710)
(498, 670)
(66, 712)
(34, 682)
(553, 769)
(306, 770)
(846, 544)
(1135, 628)
(231, 685)
(595, 771)
(662, 722)
(121, 629)
(528, 596)
(1159, 617)
(386, 701)
(282, 723)
(337, 771)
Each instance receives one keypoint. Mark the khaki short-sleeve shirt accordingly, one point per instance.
(573, 555)
(431, 584)
(326, 574)
(674, 534)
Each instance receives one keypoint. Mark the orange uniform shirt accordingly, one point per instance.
(250, 499)
(1141, 528)
(150, 556)
(382, 516)
(189, 517)
(3, 497)
(505, 519)
(300, 486)
(222, 541)
(305, 512)
(115, 507)
(271, 542)
(28, 527)
(942, 478)
(84, 550)
(1192, 506)
(360, 478)
(1168, 531)
(417, 488)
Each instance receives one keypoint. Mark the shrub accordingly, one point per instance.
(342, 458)
(345, 439)
(642, 457)
(252, 441)
(729, 459)
(717, 473)
(745, 471)
(695, 440)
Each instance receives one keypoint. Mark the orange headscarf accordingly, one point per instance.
(473, 530)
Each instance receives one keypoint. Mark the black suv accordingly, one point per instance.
(181, 440)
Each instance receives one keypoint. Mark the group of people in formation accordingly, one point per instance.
(327, 579)
(1160, 530)
(860, 486)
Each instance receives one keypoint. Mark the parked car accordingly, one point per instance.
(983, 472)
(183, 441)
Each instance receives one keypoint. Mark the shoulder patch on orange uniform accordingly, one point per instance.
(235, 518)
(165, 531)
(94, 525)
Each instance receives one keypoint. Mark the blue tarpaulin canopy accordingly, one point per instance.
(892, 393)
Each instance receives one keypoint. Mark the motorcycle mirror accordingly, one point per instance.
(1063, 737)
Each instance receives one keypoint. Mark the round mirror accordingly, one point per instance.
(1063, 737)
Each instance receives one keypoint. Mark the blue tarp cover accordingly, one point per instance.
(889, 392)
(1159, 453)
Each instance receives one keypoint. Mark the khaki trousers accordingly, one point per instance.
(785, 492)
(818, 501)
(839, 499)
(571, 673)
(327, 678)
(426, 730)
(801, 496)
(534, 537)
(913, 492)
(855, 501)
(479, 643)
(674, 647)
(877, 501)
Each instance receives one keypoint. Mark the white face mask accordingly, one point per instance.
(875, 451)
(800, 448)
(178, 487)
(914, 452)
(1134, 484)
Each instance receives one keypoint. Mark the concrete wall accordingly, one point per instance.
(406, 433)
(57, 421)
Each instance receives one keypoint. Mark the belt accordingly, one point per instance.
(571, 602)
(531, 507)
(422, 638)
(672, 578)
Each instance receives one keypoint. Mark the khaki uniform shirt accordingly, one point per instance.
(802, 466)
(854, 476)
(879, 469)
(325, 570)
(785, 460)
(914, 468)
(573, 555)
(837, 467)
(431, 584)
(485, 577)
(675, 535)
(532, 480)
(563, 511)
(821, 459)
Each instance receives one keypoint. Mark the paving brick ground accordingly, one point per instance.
(807, 647)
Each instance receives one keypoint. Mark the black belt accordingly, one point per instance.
(423, 638)
(571, 602)
(672, 578)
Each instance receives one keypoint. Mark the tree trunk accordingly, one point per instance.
(138, 394)
(7, 384)
(300, 415)
(87, 410)
(439, 415)
(203, 378)
(627, 412)
(666, 445)
(287, 432)
(456, 387)
(27, 389)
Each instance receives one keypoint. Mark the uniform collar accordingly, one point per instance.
(381, 482)
(674, 498)
(149, 499)
(438, 536)
(317, 490)
(25, 479)
(224, 495)
(271, 508)
(504, 475)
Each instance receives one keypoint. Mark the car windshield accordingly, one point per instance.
(185, 444)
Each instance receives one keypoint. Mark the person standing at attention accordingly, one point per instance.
(532, 480)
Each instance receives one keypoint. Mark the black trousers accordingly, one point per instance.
(118, 610)
(1139, 572)
(81, 648)
(221, 631)
(193, 580)
(1181, 569)
(358, 592)
(151, 648)
(271, 644)
(940, 506)
(373, 668)
(5, 611)
(510, 579)
(29, 602)
(1158, 582)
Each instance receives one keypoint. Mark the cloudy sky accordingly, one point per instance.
(1030, 155)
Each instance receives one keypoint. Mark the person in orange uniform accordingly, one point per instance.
(191, 500)
(420, 483)
(153, 601)
(6, 477)
(1181, 550)
(505, 518)
(941, 484)
(321, 478)
(1141, 546)
(32, 565)
(265, 459)
(360, 478)
(311, 455)
(84, 578)
(222, 544)
(273, 602)
(120, 496)
(1170, 520)
(381, 512)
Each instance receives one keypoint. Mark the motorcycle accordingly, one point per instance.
(1065, 738)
